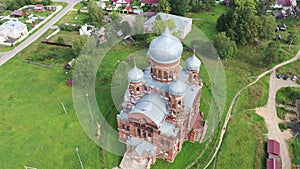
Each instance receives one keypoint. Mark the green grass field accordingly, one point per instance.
(35, 131)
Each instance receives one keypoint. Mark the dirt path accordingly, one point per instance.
(270, 115)
(228, 115)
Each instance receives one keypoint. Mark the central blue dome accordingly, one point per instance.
(165, 48)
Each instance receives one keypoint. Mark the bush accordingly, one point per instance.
(282, 126)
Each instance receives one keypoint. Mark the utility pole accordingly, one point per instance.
(77, 151)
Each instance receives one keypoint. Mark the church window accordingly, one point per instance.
(144, 134)
(165, 75)
(138, 132)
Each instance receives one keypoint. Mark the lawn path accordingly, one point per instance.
(285, 163)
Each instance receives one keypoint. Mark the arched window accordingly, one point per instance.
(159, 74)
(165, 75)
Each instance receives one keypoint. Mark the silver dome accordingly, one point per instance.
(177, 88)
(193, 63)
(165, 48)
(135, 75)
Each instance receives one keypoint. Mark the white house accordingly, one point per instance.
(13, 29)
(183, 24)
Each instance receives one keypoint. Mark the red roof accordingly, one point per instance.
(195, 122)
(38, 5)
(128, 8)
(284, 2)
(273, 147)
(272, 163)
(150, 1)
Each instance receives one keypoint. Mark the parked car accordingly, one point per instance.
(279, 76)
(294, 78)
(285, 77)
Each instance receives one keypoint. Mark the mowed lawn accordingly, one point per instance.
(34, 130)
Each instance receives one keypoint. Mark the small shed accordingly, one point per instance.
(18, 13)
(273, 148)
(272, 163)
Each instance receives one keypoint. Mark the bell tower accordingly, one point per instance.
(193, 66)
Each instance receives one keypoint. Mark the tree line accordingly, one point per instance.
(16, 4)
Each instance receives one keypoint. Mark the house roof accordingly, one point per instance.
(272, 163)
(180, 21)
(13, 24)
(284, 2)
(273, 147)
(17, 13)
(150, 1)
(128, 8)
(39, 5)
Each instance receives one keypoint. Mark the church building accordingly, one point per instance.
(161, 105)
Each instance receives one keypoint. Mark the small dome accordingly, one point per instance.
(135, 75)
(193, 63)
(177, 88)
(165, 48)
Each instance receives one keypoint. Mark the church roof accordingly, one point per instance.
(152, 106)
(149, 81)
(165, 48)
(193, 63)
(177, 88)
(141, 146)
(135, 75)
(190, 95)
(169, 129)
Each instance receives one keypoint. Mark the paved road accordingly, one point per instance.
(6, 56)
(269, 114)
(228, 116)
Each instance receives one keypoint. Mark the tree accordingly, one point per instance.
(241, 23)
(125, 27)
(84, 71)
(179, 7)
(266, 30)
(272, 52)
(160, 25)
(60, 40)
(292, 38)
(162, 5)
(263, 5)
(95, 12)
(138, 24)
(115, 15)
(207, 4)
(226, 48)
(78, 45)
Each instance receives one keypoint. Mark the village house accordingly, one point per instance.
(13, 29)
(182, 24)
(39, 8)
(161, 105)
(18, 13)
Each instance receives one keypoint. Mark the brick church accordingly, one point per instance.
(161, 105)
